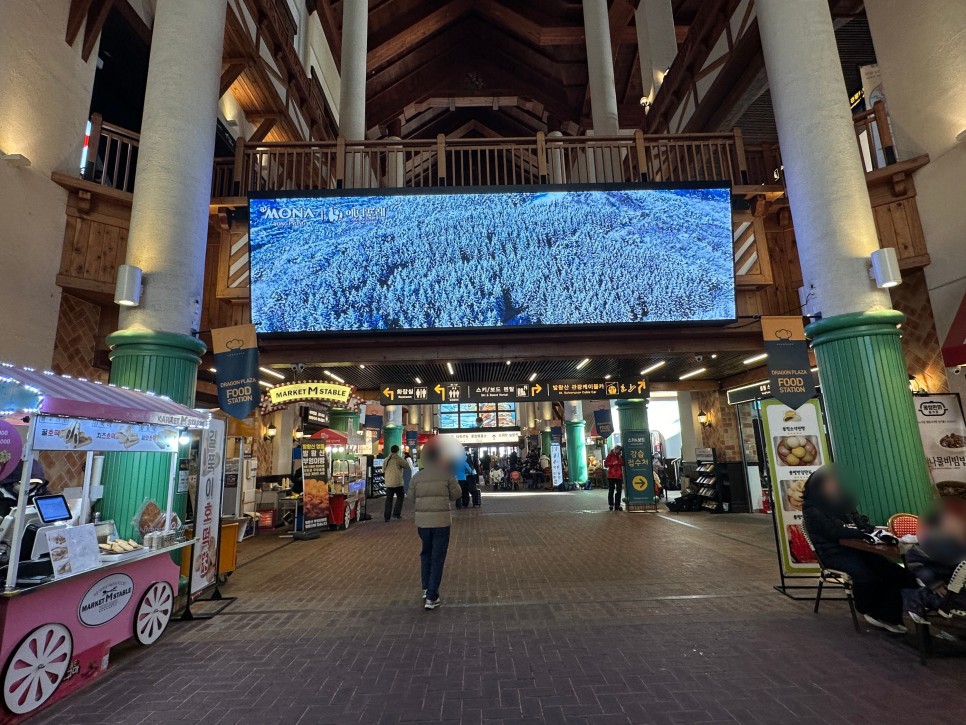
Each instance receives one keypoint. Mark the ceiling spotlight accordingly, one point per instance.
(607, 376)
(692, 373)
(212, 370)
(333, 376)
(418, 381)
(533, 377)
(583, 363)
(714, 356)
(273, 373)
(264, 384)
(754, 359)
(507, 362)
(652, 368)
(362, 367)
(449, 366)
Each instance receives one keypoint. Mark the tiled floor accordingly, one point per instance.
(556, 610)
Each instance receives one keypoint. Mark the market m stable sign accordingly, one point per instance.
(285, 394)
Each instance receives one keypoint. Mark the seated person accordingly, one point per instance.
(496, 478)
(877, 583)
(941, 548)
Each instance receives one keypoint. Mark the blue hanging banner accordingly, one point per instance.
(604, 423)
(373, 422)
(236, 364)
(412, 439)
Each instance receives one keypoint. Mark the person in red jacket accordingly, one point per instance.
(614, 463)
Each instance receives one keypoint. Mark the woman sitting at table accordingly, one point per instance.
(877, 583)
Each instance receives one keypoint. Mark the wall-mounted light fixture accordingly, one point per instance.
(884, 268)
(916, 387)
(270, 433)
(704, 419)
(127, 289)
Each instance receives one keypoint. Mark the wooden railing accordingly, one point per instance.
(112, 154)
(542, 159)
(874, 136)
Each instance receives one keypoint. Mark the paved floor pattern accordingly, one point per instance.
(556, 611)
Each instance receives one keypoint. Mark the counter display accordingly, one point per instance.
(73, 589)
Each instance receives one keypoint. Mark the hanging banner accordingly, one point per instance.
(638, 470)
(236, 364)
(796, 445)
(278, 396)
(315, 486)
(11, 448)
(412, 439)
(789, 369)
(556, 459)
(943, 434)
(604, 422)
(81, 434)
(211, 479)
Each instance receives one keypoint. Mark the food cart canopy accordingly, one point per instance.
(331, 437)
(61, 395)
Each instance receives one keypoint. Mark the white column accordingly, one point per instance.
(573, 410)
(352, 86)
(427, 416)
(395, 165)
(546, 413)
(826, 183)
(600, 68)
(169, 217)
(656, 42)
(414, 411)
(394, 415)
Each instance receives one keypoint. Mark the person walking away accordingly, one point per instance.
(614, 463)
(433, 488)
(829, 515)
(465, 476)
(408, 471)
(392, 469)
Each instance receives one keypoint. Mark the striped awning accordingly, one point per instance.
(78, 398)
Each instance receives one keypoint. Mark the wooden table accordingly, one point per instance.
(889, 551)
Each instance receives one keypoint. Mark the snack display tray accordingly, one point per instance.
(111, 558)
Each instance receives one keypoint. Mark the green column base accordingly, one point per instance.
(160, 362)
(344, 420)
(545, 442)
(392, 435)
(872, 420)
(576, 451)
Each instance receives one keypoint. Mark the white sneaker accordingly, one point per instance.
(424, 594)
(432, 603)
(894, 628)
(918, 619)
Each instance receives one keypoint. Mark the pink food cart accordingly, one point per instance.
(61, 611)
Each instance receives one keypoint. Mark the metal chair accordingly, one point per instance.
(834, 577)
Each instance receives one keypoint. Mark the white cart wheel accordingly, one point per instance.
(36, 668)
(153, 613)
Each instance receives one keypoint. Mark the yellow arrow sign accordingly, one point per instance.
(536, 389)
(389, 393)
(441, 390)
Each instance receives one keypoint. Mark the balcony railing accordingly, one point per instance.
(307, 166)
(112, 154)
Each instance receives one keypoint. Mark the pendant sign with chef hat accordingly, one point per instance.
(236, 366)
(789, 368)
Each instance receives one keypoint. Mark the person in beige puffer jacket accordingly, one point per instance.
(433, 489)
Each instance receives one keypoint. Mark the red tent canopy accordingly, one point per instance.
(331, 437)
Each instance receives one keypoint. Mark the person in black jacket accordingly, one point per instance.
(829, 516)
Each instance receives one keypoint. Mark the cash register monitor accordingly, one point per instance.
(52, 509)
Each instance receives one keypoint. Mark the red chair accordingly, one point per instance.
(903, 524)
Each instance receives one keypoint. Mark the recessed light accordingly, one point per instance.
(362, 367)
(449, 366)
(212, 370)
(652, 368)
(264, 384)
(583, 363)
(418, 381)
(533, 377)
(507, 362)
(756, 358)
(692, 373)
(715, 356)
(333, 376)
(269, 371)
(607, 377)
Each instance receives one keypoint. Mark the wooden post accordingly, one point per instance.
(93, 146)
(542, 157)
(441, 159)
(885, 132)
(641, 154)
(238, 170)
(740, 155)
(340, 162)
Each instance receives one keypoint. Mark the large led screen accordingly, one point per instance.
(415, 260)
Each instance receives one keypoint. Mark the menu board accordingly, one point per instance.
(377, 479)
(943, 434)
(556, 460)
(73, 549)
(315, 486)
(638, 471)
(797, 445)
(70, 434)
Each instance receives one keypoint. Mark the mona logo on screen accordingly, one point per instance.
(439, 259)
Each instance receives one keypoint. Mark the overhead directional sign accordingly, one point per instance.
(454, 392)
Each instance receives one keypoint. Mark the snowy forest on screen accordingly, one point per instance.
(487, 260)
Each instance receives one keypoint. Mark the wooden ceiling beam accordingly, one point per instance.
(264, 128)
(96, 17)
(412, 34)
(229, 76)
(76, 15)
